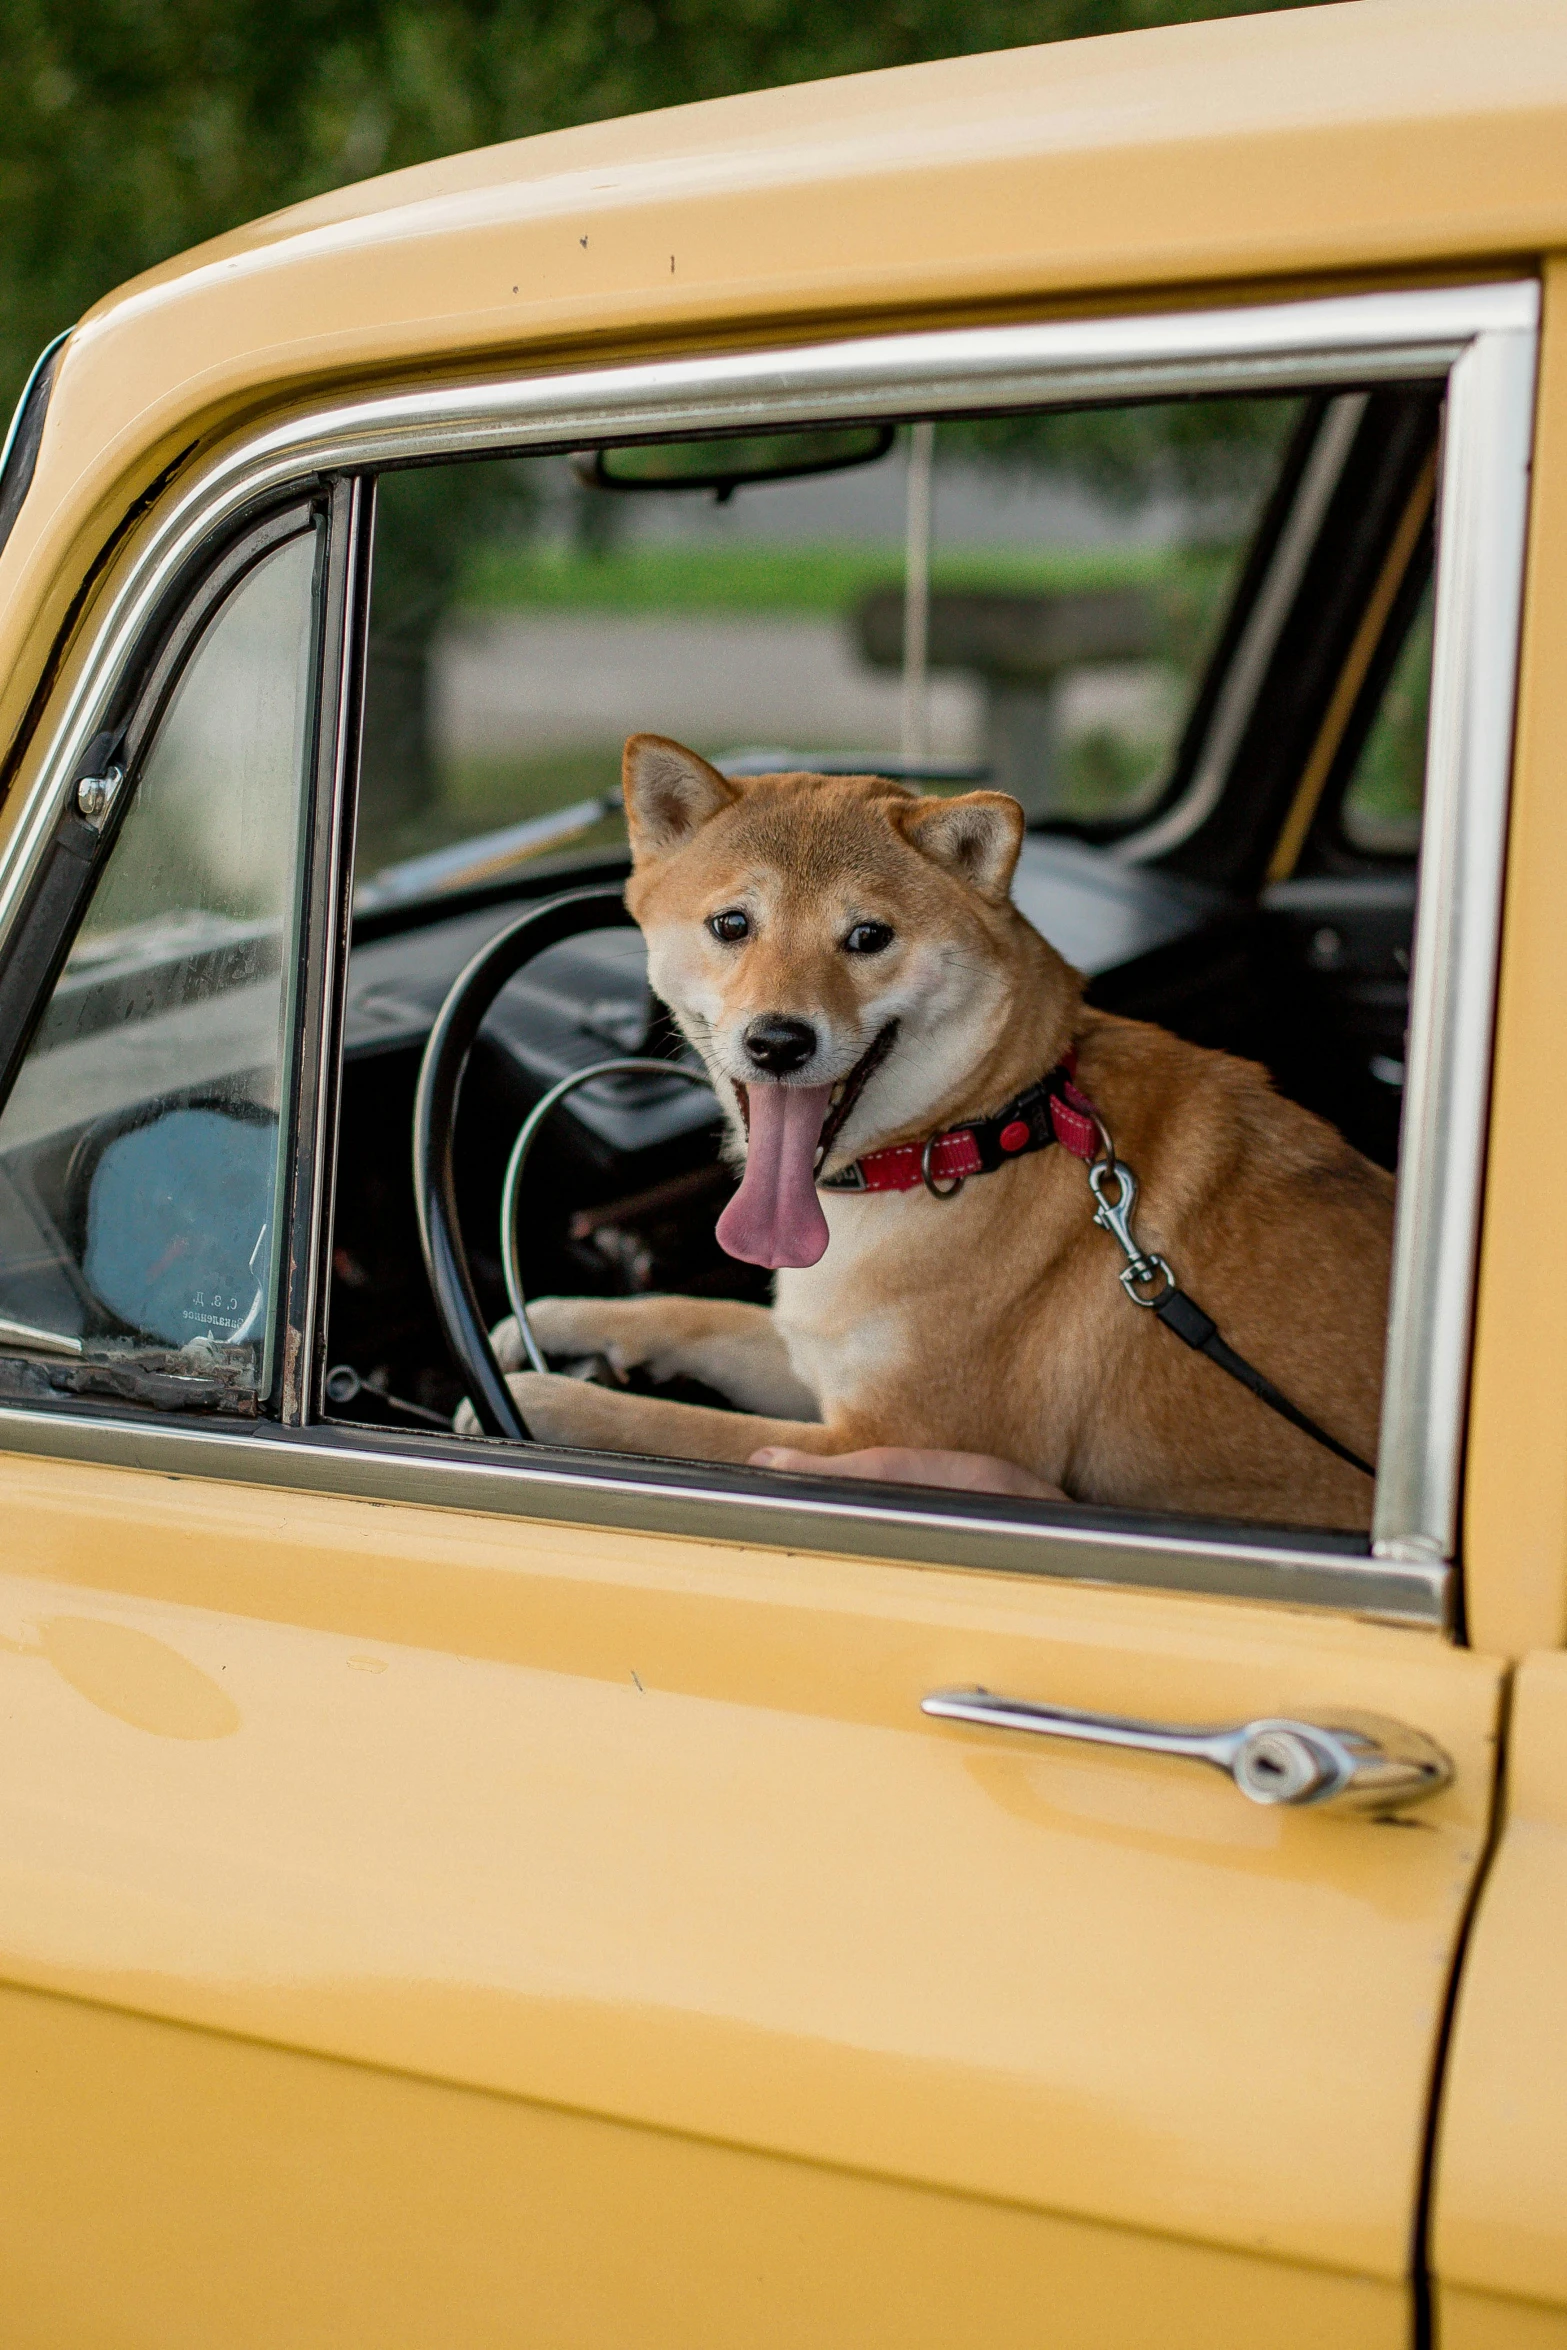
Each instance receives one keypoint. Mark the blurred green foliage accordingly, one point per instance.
(1213, 454)
(1381, 809)
(135, 128)
(755, 576)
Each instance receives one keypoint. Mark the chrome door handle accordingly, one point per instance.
(1358, 1761)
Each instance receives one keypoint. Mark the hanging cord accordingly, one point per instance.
(1148, 1281)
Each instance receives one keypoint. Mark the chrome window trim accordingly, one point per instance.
(682, 1499)
(325, 920)
(1482, 520)
(1480, 337)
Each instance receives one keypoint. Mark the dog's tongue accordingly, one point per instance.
(775, 1218)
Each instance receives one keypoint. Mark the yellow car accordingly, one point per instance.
(454, 1892)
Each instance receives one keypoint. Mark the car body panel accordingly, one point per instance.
(1515, 1506)
(656, 1831)
(1502, 2148)
(250, 2196)
(1487, 2321)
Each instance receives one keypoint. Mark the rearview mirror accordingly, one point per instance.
(724, 463)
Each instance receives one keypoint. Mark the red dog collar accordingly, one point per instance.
(1051, 1110)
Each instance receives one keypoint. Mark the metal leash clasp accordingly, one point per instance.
(938, 1190)
(1147, 1280)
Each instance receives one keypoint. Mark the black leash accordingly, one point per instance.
(1148, 1281)
(1186, 1318)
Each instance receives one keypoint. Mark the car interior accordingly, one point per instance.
(1271, 916)
(1192, 637)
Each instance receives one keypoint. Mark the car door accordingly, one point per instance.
(1500, 2243)
(452, 1896)
(1499, 2187)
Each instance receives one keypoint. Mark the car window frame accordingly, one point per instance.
(1478, 340)
(33, 950)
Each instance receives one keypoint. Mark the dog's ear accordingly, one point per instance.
(976, 837)
(669, 792)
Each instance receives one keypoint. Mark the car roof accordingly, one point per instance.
(1320, 137)
(1379, 137)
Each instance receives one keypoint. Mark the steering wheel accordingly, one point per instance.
(451, 1041)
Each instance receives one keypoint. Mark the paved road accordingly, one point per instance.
(545, 681)
(511, 684)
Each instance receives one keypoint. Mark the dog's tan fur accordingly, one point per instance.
(991, 1322)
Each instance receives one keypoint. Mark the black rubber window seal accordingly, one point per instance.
(19, 458)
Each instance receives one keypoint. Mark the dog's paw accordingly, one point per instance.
(558, 1410)
(555, 1410)
(607, 1326)
(565, 1326)
(567, 1409)
(506, 1339)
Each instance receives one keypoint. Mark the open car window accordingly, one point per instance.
(140, 1147)
(1167, 631)
(1218, 882)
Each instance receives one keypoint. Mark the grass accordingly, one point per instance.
(750, 577)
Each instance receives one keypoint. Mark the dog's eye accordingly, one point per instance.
(868, 938)
(730, 927)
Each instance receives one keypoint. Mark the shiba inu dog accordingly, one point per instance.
(844, 955)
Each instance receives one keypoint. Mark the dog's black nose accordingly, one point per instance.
(778, 1045)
